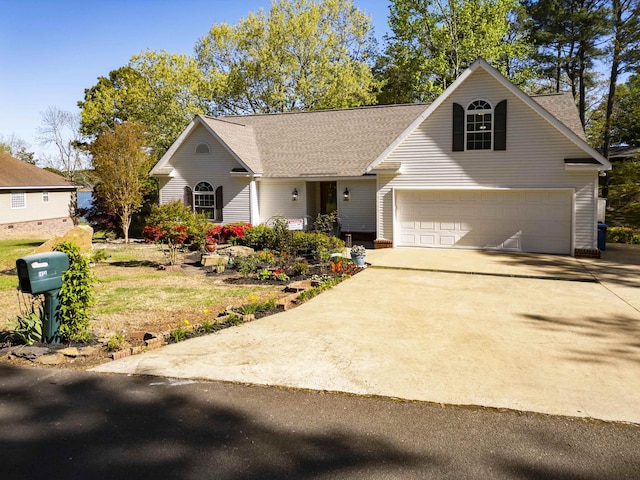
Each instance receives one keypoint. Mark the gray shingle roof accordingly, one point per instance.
(563, 107)
(337, 142)
(241, 139)
(15, 173)
(318, 143)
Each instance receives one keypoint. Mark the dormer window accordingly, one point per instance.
(479, 125)
(202, 148)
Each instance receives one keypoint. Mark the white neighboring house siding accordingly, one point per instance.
(359, 213)
(534, 158)
(36, 208)
(190, 168)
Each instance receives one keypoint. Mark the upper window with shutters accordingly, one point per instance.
(479, 126)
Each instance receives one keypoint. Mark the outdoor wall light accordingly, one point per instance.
(294, 195)
(346, 195)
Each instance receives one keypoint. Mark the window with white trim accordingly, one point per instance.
(45, 197)
(204, 199)
(18, 200)
(479, 125)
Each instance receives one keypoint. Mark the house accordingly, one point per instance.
(35, 202)
(484, 166)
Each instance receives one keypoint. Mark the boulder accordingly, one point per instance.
(80, 236)
(235, 250)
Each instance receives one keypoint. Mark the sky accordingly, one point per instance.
(52, 50)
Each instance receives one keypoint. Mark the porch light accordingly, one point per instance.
(346, 195)
(294, 195)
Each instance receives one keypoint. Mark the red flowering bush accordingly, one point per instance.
(151, 234)
(228, 231)
(171, 234)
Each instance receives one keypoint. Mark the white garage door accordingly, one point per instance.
(516, 220)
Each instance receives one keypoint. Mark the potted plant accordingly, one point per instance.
(358, 255)
(210, 244)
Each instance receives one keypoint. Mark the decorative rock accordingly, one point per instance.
(69, 352)
(299, 286)
(213, 259)
(30, 353)
(80, 236)
(236, 250)
(53, 359)
(87, 351)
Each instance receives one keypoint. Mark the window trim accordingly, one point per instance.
(15, 204)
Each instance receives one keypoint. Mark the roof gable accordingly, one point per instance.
(556, 103)
(15, 173)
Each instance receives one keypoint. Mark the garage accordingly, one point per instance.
(515, 220)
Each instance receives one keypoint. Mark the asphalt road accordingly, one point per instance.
(65, 425)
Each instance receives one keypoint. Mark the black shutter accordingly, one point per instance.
(218, 214)
(500, 126)
(458, 128)
(188, 197)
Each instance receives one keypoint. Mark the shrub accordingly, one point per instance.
(27, 329)
(300, 268)
(247, 265)
(623, 235)
(76, 295)
(258, 237)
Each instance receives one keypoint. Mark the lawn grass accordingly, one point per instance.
(132, 294)
(11, 250)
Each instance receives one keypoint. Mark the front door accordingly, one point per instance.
(328, 197)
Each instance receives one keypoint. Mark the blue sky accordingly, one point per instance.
(50, 51)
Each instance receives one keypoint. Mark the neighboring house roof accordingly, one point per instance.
(16, 174)
(352, 142)
(622, 153)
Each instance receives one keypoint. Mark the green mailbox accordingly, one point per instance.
(41, 273)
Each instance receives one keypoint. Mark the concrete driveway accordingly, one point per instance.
(527, 332)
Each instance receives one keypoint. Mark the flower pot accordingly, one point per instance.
(358, 259)
(211, 247)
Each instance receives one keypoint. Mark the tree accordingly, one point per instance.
(17, 148)
(433, 41)
(121, 164)
(62, 129)
(624, 129)
(625, 52)
(568, 35)
(162, 91)
(303, 55)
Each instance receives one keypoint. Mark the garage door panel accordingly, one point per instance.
(532, 221)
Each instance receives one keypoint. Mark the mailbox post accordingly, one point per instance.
(41, 273)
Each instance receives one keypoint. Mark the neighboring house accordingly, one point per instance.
(35, 203)
(484, 166)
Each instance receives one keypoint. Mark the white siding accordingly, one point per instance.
(275, 199)
(359, 213)
(36, 209)
(215, 167)
(534, 158)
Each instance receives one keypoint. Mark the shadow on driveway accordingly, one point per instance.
(619, 336)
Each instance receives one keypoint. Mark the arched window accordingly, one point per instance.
(479, 125)
(202, 148)
(204, 199)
